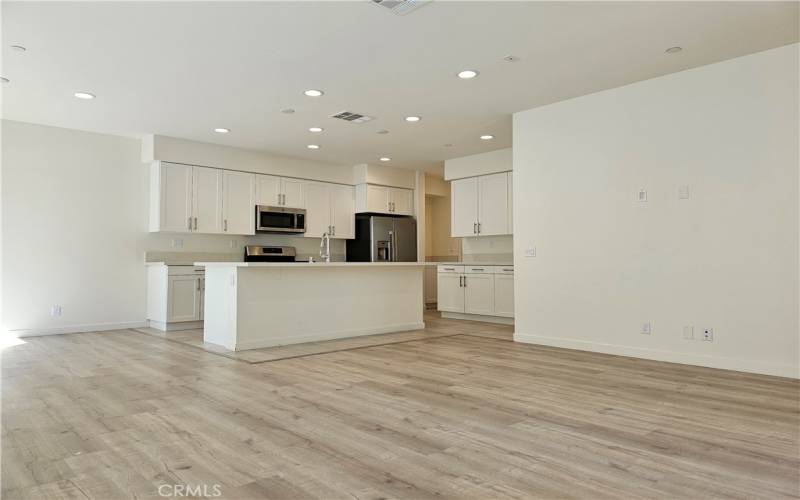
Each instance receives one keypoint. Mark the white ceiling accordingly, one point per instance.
(181, 69)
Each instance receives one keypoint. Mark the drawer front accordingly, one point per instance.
(185, 270)
(450, 269)
(479, 269)
(503, 269)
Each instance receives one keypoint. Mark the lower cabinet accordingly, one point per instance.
(480, 290)
(175, 297)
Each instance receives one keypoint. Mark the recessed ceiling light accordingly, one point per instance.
(4, 79)
(487, 137)
(467, 74)
(84, 95)
(511, 58)
(383, 132)
(222, 130)
(673, 50)
(313, 146)
(18, 48)
(386, 158)
(313, 93)
(287, 111)
(412, 118)
(316, 129)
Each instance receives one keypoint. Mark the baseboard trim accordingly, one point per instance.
(174, 327)
(501, 320)
(724, 363)
(92, 327)
(302, 339)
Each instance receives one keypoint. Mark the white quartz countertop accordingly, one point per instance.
(310, 264)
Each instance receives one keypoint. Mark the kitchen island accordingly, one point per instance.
(249, 305)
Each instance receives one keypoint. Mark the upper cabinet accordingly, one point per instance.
(384, 200)
(238, 202)
(280, 191)
(185, 199)
(480, 205)
(330, 209)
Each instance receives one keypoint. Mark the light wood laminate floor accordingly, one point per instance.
(119, 414)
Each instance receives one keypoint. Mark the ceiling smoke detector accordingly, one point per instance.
(351, 117)
(401, 7)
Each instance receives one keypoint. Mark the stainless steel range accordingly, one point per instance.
(253, 253)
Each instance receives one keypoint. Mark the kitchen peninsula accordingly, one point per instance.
(249, 305)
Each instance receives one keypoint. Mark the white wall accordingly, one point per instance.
(726, 258)
(479, 164)
(384, 176)
(74, 215)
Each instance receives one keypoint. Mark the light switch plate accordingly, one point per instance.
(688, 332)
(683, 192)
(530, 252)
(647, 328)
(641, 195)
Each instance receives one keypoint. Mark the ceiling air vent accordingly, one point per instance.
(352, 117)
(401, 7)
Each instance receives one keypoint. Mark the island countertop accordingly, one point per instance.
(310, 264)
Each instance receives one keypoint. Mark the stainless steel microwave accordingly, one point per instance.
(280, 219)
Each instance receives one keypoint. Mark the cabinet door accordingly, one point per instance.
(207, 200)
(511, 203)
(183, 298)
(464, 207)
(402, 201)
(479, 294)
(176, 198)
(504, 295)
(493, 204)
(268, 188)
(238, 202)
(450, 293)
(343, 208)
(377, 199)
(293, 191)
(318, 209)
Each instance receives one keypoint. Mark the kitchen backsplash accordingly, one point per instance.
(488, 249)
(231, 248)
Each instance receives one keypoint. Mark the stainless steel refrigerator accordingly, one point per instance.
(383, 238)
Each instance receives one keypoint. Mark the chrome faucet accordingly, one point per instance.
(325, 247)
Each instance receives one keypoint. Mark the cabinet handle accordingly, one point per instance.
(479, 228)
(283, 196)
(225, 223)
(195, 223)
(198, 285)
(190, 224)
(449, 268)
(460, 281)
(511, 270)
(474, 228)
(477, 269)
(334, 230)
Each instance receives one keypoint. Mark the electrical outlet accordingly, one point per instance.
(530, 252)
(647, 328)
(688, 332)
(234, 243)
(176, 242)
(55, 310)
(708, 334)
(683, 192)
(641, 195)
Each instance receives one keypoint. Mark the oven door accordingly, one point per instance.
(280, 220)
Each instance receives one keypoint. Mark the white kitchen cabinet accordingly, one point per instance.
(464, 207)
(184, 300)
(476, 290)
(175, 297)
(171, 198)
(238, 203)
(373, 198)
(479, 294)
(280, 191)
(504, 295)
(480, 206)
(343, 211)
(330, 208)
(207, 200)
(511, 203)
(450, 293)
(493, 204)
